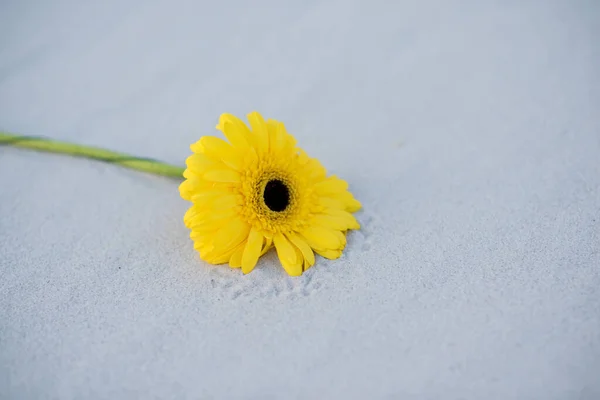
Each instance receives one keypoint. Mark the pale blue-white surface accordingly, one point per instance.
(469, 130)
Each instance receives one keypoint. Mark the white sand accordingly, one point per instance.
(471, 133)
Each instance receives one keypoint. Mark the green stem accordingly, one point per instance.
(53, 146)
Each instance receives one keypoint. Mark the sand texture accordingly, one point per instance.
(470, 131)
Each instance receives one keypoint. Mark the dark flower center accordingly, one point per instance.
(276, 195)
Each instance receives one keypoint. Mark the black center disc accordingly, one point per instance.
(276, 195)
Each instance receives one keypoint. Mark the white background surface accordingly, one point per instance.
(469, 130)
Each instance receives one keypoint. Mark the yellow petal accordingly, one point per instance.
(287, 255)
(219, 149)
(188, 173)
(198, 216)
(252, 250)
(303, 158)
(203, 249)
(301, 263)
(329, 254)
(196, 235)
(277, 136)
(213, 219)
(199, 163)
(191, 186)
(235, 131)
(316, 170)
(333, 184)
(214, 147)
(214, 192)
(324, 238)
(289, 141)
(336, 219)
(190, 214)
(304, 248)
(215, 257)
(285, 251)
(280, 141)
(353, 205)
(197, 147)
(203, 243)
(349, 202)
(226, 202)
(266, 245)
(215, 200)
(259, 131)
(185, 190)
(222, 175)
(250, 157)
(236, 258)
(208, 228)
(231, 234)
(306, 266)
(331, 203)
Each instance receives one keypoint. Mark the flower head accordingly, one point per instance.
(261, 190)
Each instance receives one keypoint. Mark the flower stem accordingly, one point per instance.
(125, 160)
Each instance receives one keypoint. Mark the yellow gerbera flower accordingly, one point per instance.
(261, 190)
